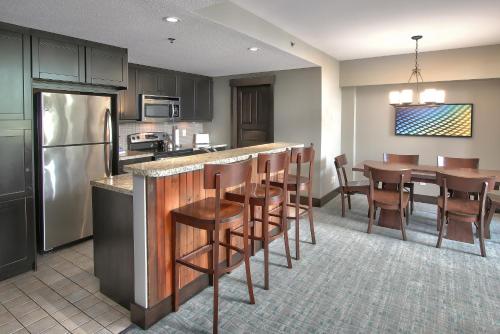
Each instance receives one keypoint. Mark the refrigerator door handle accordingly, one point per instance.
(108, 148)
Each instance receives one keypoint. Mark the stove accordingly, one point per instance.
(160, 144)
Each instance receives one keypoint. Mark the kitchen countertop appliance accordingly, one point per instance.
(76, 147)
(160, 144)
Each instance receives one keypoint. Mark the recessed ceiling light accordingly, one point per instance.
(171, 19)
(253, 49)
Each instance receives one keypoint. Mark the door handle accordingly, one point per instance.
(108, 148)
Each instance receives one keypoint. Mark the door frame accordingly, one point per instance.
(243, 82)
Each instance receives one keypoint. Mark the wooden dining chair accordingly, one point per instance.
(404, 159)
(215, 215)
(463, 210)
(391, 196)
(493, 205)
(348, 188)
(269, 199)
(448, 162)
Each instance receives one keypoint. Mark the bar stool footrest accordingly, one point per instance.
(200, 251)
(194, 266)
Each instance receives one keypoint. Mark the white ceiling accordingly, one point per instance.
(351, 29)
(201, 46)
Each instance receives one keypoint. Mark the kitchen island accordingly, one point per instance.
(157, 188)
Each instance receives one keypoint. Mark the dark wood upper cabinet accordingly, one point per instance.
(147, 82)
(196, 98)
(187, 89)
(203, 99)
(156, 82)
(106, 66)
(57, 59)
(167, 84)
(12, 78)
(195, 92)
(129, 109)
(60, 58)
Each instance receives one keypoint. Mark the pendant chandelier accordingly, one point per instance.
(427, 96)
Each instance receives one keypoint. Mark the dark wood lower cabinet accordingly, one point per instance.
(114, 244)
(17, 246)
(17, 232)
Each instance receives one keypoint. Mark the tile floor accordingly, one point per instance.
(62, 296)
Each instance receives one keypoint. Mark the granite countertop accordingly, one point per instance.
(135, 155)
(179, 165)
(120, 183)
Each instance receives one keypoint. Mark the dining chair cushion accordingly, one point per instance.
(204, 210)
(461, 206)
(390, 197)
(257, 194)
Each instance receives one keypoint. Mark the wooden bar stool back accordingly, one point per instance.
(463, 210)
(214, 215)
(449, 162)
(392, 196)
(348, 188)
(270, 199)
(404, 159)
(295, 184)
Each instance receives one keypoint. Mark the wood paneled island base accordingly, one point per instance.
(160, 187)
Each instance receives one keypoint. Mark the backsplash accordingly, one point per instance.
(129, 128)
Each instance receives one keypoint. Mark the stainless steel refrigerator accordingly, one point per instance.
(76, 148)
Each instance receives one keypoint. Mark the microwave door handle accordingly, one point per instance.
(108, 146)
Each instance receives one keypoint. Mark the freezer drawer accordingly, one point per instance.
(67, 202)
(69, 119)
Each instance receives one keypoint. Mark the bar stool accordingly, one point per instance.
(463, 210)
(264, 196)
(296, 183)
(215, 215)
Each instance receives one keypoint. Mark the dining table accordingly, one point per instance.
(427, 174)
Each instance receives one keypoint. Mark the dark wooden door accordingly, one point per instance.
(254, 115)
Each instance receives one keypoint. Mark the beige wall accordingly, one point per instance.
(372, 132)
(297, 110)
(448, 65)
(234, 17)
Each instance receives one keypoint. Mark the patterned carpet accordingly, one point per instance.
(352, 282)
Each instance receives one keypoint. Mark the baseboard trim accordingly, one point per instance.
(146, 317)
(318, 202)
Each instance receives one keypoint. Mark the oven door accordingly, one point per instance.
(155, 109)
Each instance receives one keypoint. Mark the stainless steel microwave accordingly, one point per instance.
(157, 108)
